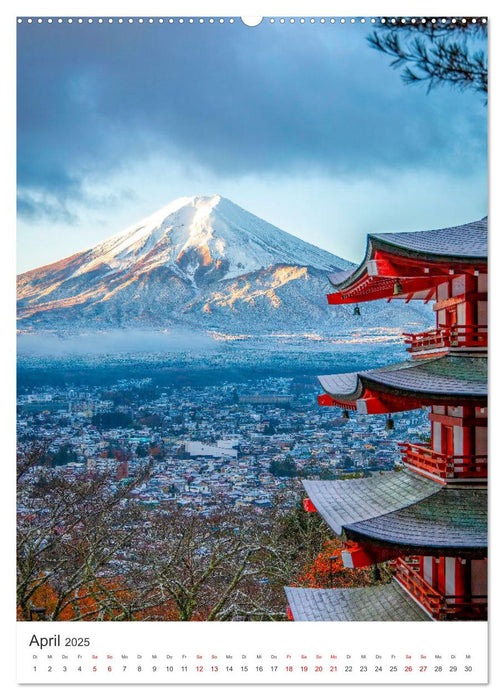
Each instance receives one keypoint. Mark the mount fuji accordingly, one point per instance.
(203, 263)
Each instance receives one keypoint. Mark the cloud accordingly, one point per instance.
(94, 100)
(113, 342)
(31, 209)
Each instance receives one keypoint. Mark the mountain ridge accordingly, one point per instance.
(202, 261)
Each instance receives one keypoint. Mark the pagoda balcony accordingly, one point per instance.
(446, 338)
(441, 607)
(420, 457)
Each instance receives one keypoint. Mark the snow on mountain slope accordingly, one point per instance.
(219, 230)
(201, 261)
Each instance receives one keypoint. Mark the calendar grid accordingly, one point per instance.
(171, 653)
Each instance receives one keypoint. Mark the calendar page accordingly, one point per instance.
(251, 349)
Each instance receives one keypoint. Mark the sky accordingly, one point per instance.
(305, 126)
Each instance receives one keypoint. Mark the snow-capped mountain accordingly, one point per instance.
(203, 262)
(199, 235)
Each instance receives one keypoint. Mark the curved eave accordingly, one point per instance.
(476, 395)
(420, 260)
(449, 521)
(346, 278)
(446, 379)
(372, 288)
(404, 511)
(343, 503)
(344, 387)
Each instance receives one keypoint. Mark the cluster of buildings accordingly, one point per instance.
(207, 446)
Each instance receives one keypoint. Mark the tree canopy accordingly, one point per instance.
(87, 549)
(436, 51)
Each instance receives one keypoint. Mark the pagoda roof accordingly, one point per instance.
(386, 602)
(442, 378)
(347, 501)
(451, 519)
(419, 259)
(405, 510)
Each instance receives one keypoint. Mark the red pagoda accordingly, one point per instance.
(429, 518)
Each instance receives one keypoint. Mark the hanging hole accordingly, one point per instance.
(251, 21)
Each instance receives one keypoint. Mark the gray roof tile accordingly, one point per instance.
(468, 240)
(388, 602)
(451, 518)
(340, 384)
(465, 242)
(404, 509)
(349, 501)
(336, 278)
(449, 375)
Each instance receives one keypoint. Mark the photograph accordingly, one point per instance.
(251, 321)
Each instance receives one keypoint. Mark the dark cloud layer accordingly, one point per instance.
(93, 99)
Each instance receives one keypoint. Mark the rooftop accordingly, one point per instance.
(449, 376)
(342, 503)
(464, 241)
(388, 602)
(451, 519)
(418, 258)
(404, 510)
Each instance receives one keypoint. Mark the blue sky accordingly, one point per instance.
(304, 125)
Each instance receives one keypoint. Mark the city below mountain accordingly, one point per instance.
(201, 263)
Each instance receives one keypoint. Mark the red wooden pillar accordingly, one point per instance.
(471, 314)
(468, 432)
(440, 574)
(460, 577)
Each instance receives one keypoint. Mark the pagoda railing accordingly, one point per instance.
(421, 456)
(441, 607)
(453, 337)
(431, 599)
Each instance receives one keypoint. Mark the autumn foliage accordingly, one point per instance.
(327, 570)
(104, 599)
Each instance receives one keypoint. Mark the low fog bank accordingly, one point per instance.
(113, 342)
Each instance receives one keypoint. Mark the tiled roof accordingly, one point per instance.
(457, 243)
(340, 384)
(403, 509)
(449, 519)
(336, 278)
(449, 375)
(381, 603)
(468, 240)
(349, 501)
